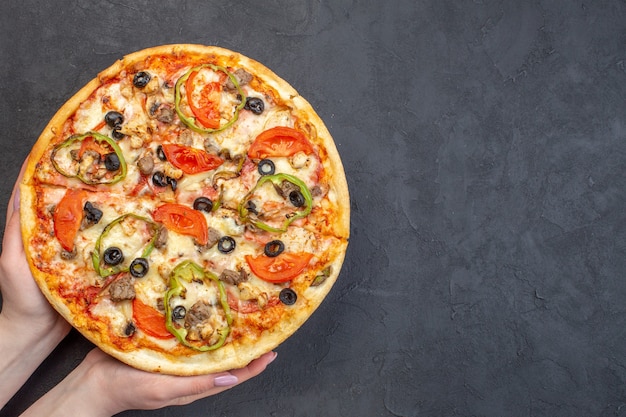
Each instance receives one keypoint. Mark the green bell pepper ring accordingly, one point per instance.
(98, 264)
(190, 121)
(189, 271)
(100, 139)
(277, 179)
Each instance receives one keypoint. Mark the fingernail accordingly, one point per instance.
(225, 380)
(273, 357)
(16, 199)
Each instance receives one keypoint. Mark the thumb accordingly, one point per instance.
(12, 241)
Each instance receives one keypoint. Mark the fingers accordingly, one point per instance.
(152, 390)
(255, 367)
(216, 383)
(14, 200)
(12, 240)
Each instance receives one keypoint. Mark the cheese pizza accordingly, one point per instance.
(186, 210)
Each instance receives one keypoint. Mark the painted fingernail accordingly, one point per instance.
(225, 380)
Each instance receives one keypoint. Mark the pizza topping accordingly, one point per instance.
(113, 118)
(279, 141)
(202, 323)
(111, 161)
(130, 329)
(203, 204)
(255, 105)
(296, 198)
(159, 179)
(144, 233)
(226, 244)
(161, 239)
(139, 267)
(274, 248)
(287, 296)
(179, 313)
(299, 160)
(84, 157)
(321, 277)
(91, 215)
(149, 320)
(233, 277)
(145, 165)
(141, 79)
(113, 256)
(214, 237)
(184, 220)
(201, 107)
(160, 153)
(281, 268)
(122, 289)
(117, 133)
(266, 167)
(191, 160)
(287, 186)
(68, 216)
(242, 76)
(164, 113)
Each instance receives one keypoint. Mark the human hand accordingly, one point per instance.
(24, 307)
(103, 386)
(29, 327)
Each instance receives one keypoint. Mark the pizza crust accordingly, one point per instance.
(233, 355)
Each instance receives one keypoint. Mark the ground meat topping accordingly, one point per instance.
(243, 77)
(233, 277)
(122, 289)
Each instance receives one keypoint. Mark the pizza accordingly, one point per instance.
(186, 210)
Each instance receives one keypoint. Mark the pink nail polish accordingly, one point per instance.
(225, 380)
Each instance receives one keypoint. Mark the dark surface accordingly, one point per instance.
(485, 147)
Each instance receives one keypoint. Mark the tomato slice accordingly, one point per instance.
(281, 268)
(191, 160)
(184, 220)
(90, 144)
(279, 141)
(206, 110)
(149, 320)
(68, 215)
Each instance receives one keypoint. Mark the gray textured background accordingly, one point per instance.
(485, 147)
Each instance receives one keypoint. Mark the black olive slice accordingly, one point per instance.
(130, 329)
(287, 296)
(113, 256)
(160, 153)
(172, 182)
(266, 167)
(226, 244)
(139, 267)
(296, 198)
(159, 179)
(113, 118)
(141, 79)
(274, 248)
(92, 214)
(203, 204)
(112, 161)
(116, 133)
(255, 105)
(179, 312)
